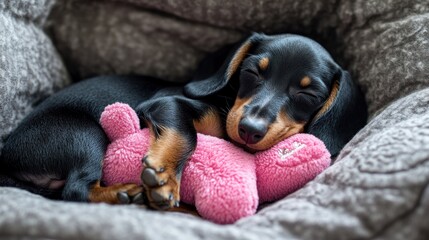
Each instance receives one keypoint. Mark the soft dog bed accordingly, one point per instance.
(377, 188)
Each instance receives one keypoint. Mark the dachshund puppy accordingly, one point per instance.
(265, 90)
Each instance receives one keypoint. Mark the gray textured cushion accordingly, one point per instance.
(30, 68)
(387, 47)
(103, 37)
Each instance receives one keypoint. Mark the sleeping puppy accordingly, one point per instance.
(265, 90)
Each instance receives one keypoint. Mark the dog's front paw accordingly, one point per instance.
(161, 182)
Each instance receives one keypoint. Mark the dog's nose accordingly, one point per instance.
(252, 130)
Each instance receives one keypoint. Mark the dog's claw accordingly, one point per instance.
(123, 197)
(139, 199)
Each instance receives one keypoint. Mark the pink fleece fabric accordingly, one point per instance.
(289, 165)
(220, 179)
(224, 182)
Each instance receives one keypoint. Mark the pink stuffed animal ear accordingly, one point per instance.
(289, 165)
(119, 120)
(123, 159)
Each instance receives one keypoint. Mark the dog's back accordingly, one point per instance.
(61, 141)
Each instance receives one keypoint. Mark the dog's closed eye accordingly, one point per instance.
(250, 73)
(306, 96)
(250, 80)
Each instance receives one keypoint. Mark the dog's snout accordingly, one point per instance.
(252, 130)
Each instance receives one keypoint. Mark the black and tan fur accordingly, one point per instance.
(265, 90)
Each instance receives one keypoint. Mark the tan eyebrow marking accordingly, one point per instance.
(305, 81)
(263, 63)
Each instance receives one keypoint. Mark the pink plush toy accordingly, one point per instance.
(224, 182)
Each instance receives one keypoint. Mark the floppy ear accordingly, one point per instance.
(342, 116)
(205, 84)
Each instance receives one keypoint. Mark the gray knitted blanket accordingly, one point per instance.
(378, 188)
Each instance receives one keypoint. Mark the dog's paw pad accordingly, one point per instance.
(149, 177)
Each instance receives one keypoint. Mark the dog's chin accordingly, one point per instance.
(249, 149)
(244, 146)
